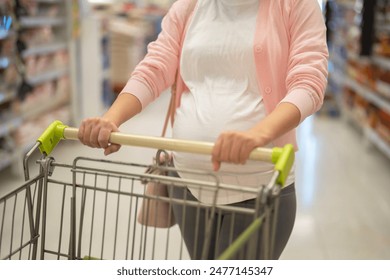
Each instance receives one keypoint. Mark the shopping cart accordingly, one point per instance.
(88, 209)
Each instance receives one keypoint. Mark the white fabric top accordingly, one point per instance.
(218, 67)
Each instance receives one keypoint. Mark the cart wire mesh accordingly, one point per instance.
(88, 210)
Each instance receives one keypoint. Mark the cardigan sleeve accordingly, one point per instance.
(308, 60)
(156, 72)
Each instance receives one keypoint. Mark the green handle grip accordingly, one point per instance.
(51, 136)
(283, 158)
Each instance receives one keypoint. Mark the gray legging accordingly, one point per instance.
(226, 226)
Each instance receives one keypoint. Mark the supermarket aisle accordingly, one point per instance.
(343, 195)
(342, 185)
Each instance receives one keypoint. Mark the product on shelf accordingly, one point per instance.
(34, 62)
(6, 147)
(46, 95)
(127, 48)
(63, 87)
(363, 71)
(349, 97)
(383, 125)
(39, 36)
(10, 76)
(383, 83)
(361, 109)
(7, 47)
(43, 63)
(31, 65)
(30, 130)
(383, 47)
(60, 59)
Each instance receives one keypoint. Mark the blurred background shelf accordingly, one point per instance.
(41, 21)
(48, 76)
(45, 49)
(359, 80)
(35, 61)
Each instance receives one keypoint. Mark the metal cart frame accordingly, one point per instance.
(87, 210)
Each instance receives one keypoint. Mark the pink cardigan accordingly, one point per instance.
(289, 48)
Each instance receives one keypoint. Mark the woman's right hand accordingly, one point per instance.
(95, 133)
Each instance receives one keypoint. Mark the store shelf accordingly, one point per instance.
(382, 62)
(46, 32)
(368, 94)
(358, 73)
(41, 21)
(23, 148)
(368, 132)
(383, 88)
(45, 107)
(44, 49)
(338, 78)
(383, 28)
(348, 5)
(9, 125)
(5, 160)
(8, 76)
(48, 1)
(6, 96)
(47, 76)
(5, 61)
(351, 117)
(353, 56)
(4, 34)
(378, 141)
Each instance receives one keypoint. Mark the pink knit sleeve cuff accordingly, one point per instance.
(304, 100)
(139, 90)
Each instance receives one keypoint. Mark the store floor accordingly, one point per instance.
(343, 188)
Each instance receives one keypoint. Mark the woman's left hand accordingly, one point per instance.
(235, 147)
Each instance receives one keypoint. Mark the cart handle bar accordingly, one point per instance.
(282, 158)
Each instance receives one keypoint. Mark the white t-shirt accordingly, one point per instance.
(217, 65)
